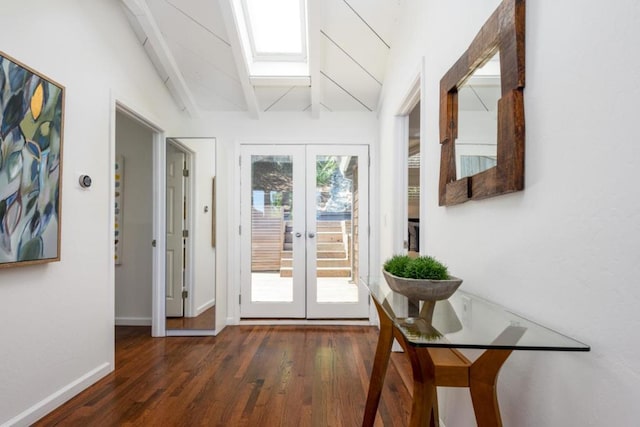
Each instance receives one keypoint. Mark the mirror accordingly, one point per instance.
(470, 166)
(190, 245)
(476, 145)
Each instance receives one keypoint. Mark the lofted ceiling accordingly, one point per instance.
(195, 47)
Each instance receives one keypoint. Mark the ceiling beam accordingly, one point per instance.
(315, 19)
(228, 14)
(160, 55)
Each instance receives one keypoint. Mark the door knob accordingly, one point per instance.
(312, 235)
(298, 235)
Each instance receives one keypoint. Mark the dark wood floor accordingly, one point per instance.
(246, 376)
(206, 320)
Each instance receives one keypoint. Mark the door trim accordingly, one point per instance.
(158, 253)
(412, 96)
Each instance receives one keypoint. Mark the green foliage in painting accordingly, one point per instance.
(30, 150)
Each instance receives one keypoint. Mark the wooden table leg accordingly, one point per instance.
(483, 377)
(379, 370)
(424, 404)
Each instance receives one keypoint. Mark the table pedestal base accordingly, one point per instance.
(432, 367)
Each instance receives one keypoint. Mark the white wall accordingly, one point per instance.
(56, 321)
(133, 276)
(565, 251)
(204, 255)
(233, 129)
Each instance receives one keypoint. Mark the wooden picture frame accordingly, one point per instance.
(31, 140)
(504, 31)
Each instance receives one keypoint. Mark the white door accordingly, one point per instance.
(304, 231)
(175, 226)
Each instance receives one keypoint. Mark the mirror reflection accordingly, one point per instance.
(476, 144)
(190, 218)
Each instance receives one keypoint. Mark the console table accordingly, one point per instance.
(430, 334)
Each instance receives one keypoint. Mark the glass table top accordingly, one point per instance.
(465, 321)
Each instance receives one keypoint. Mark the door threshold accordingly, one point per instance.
(308, 322)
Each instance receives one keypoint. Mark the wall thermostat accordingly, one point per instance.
(85, 181)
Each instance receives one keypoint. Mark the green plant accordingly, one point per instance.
(324, 171)
(397, 264)
(423, 267)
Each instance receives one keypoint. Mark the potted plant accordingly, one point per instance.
(424, 278)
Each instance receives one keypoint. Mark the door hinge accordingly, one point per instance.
(239, 299)
(185, 233)
(153, 243)
(240, 229)
(240, 161)
(185, 172)
(185, 294)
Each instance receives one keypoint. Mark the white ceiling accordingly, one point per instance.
(195, 47)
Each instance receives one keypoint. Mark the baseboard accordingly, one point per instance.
(133, 321)
(204, 307)
(56, 399)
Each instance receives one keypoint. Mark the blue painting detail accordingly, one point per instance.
(31, 121)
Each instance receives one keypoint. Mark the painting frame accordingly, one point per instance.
(32, 108)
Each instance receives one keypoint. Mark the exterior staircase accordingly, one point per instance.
(333, 248)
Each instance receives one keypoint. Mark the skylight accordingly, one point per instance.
(273, 35)
(276, 29)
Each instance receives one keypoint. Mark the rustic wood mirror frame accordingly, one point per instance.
(504, 32)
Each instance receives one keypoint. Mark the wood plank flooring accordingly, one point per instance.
(206, 320)
(246, 376)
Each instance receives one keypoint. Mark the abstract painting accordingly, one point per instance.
(31, 129)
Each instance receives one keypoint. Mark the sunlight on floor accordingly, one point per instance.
(270, 287)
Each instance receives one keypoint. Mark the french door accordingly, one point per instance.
(304, 231)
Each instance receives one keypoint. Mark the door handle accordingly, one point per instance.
(298, 234)
(312, 235)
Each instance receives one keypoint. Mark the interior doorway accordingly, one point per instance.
(133, 221)
(305, 222)
(412, 242)
(153, 244)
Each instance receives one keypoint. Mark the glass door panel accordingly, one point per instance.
(304, 220)
(273, 276)
(337, 194)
